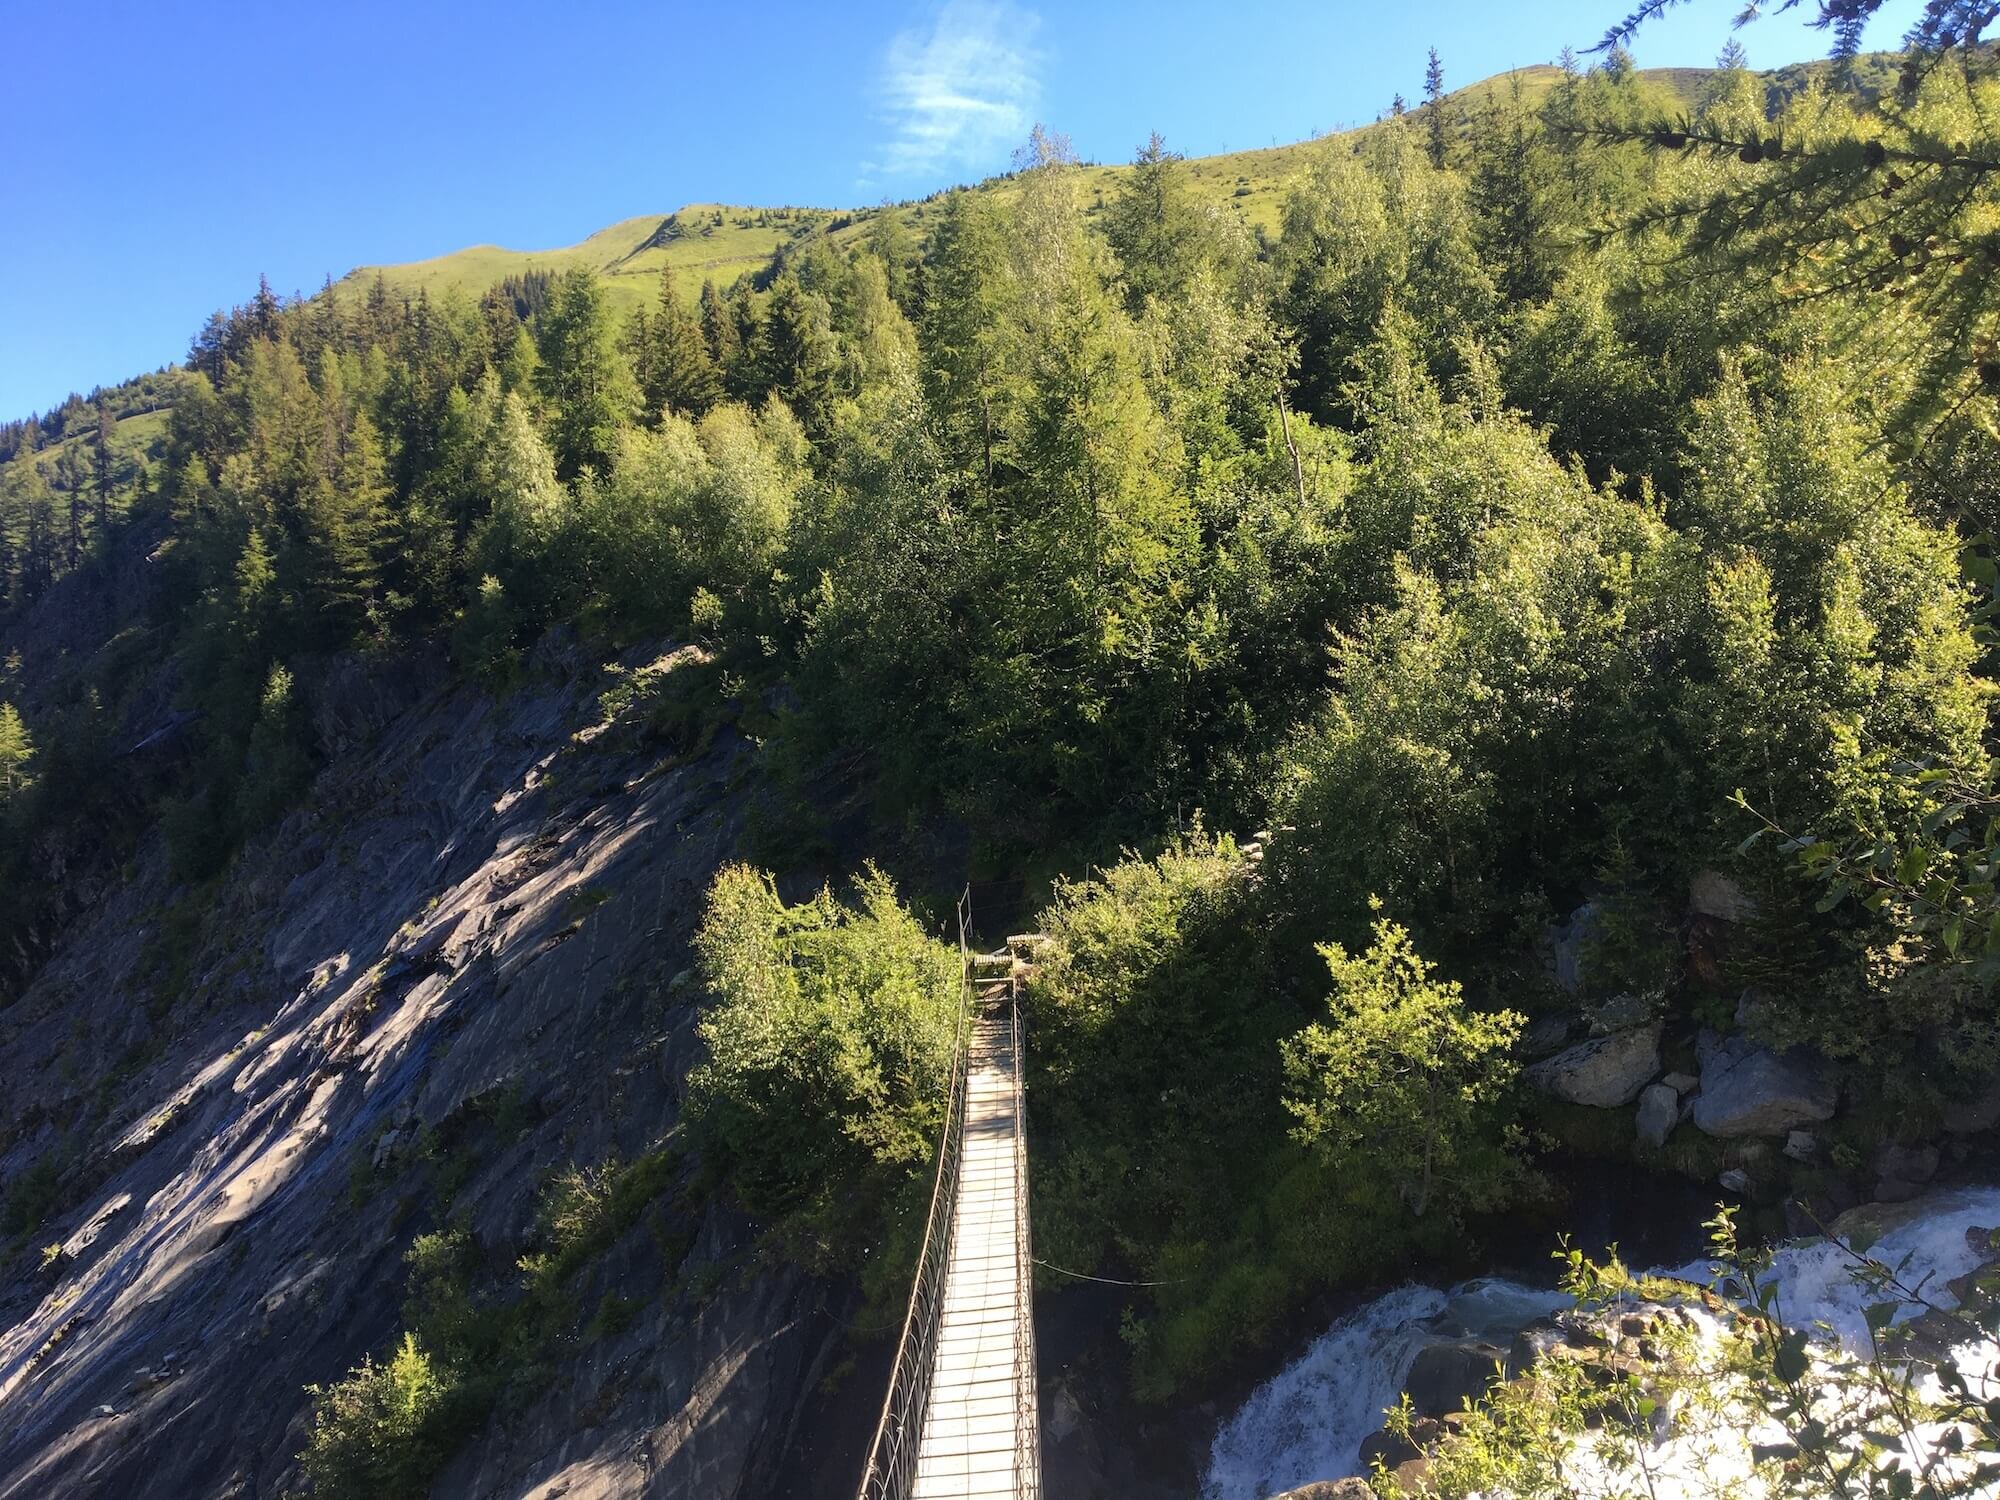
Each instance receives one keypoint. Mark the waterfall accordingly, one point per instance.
(1308, 1421)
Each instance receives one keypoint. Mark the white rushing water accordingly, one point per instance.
(1308, 1421)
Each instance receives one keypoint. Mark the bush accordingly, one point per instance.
(830, 1050)
(383, 1432)
(1402, 1079)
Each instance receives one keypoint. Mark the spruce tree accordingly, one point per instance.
(718, 331)
(966, 316)
(679, 374)
(582, 374)
(69, 474)
(1435, 140)
(801, 354)
(1155, 225)
(893, 244)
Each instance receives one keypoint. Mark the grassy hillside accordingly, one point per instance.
(713, 241)
(702, 241)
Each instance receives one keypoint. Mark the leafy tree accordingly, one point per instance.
(1402, 1078)
(829, 1051)
(382, 1431)
(529, 509)
(17, 752)
(1360, 234)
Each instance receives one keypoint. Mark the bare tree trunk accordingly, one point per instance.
(1298, 469)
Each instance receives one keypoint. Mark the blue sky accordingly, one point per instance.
(161, 156)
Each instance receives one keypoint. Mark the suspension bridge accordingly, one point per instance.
(960, 1418)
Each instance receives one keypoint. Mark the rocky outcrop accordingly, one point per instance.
(1605, 1072)
(1902, 1171)
(447, 976)
(1659, 1112)
(1713, 894)
(1446, 1375)
(1750, 1090)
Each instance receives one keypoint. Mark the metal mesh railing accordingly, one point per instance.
(892, 1458)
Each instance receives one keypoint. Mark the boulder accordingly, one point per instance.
(1604, 1072)
(1801, 1145)
(1859, 1228)
(1751, 1090)
(1735, 1180)
(1531, 1343)
(1331, 1489)
(1412, 1477)
(1545, 1035)
(1659, 1112)
(1444, 1376)
(1713, 894)
(1392, 1450)
(1624, 1013)
(1681, 1083)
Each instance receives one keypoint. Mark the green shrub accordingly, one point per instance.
(1402, 1080)
(383, 1432)
(829, 1053)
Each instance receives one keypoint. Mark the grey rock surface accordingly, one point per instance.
(468, 909)
(1659, 1112)
(1605, 1072)
(1747, 1089)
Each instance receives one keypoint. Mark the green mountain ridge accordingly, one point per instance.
(718, 241)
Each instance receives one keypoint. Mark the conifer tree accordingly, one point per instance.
(679, 374)
(69, 474)
(801, 354)
(1154, 225)
(102, 464)
(582, 375)
(1435, 139)
(718, 331)
(967, 290)
(893, 244)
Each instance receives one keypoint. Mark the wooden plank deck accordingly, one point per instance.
(971, 1444)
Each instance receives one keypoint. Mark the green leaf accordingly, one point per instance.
(1790, 1361)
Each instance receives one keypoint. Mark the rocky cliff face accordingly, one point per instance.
(459, 967)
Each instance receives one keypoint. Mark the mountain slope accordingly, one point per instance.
(718, 242)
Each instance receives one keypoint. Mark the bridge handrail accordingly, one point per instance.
(892, 1456)
(1027, 1417)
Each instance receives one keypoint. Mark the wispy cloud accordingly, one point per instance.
(959, 92)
